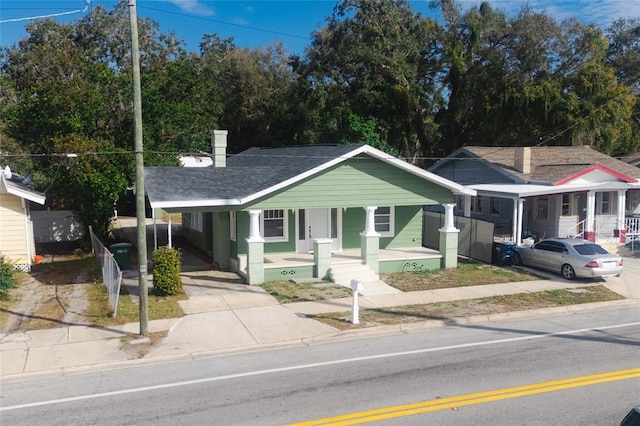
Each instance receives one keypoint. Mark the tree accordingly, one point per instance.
(375, 59)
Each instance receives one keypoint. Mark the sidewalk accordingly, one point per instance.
(222, 315)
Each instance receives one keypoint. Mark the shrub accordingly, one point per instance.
(166, 271)
(7, 278)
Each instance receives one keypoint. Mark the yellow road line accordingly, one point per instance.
(470, 399)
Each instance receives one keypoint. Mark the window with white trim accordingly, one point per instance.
(383, 218)
(274, 225)
(232, 226)
(196, 221)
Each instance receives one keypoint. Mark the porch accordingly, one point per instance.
(302, 266)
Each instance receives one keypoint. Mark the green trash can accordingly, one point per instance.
(122, 254)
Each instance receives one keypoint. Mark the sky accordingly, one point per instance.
(256, 23)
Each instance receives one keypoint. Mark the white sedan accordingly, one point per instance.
(572, 257)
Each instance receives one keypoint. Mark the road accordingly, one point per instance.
(575, 369)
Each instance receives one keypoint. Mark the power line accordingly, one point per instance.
(51, 15)
(247, 27)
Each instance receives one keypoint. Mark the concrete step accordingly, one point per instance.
(372, 285)
(343, 273)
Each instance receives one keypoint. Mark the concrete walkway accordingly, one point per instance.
(223, 315)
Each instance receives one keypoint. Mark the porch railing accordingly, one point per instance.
(577, 230)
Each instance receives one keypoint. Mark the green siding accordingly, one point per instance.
(197, 238)
(408, 228)
(355, 183)
(289, 273)
(353, 221)
(410, 265)
(242, 233)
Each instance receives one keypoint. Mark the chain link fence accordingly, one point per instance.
(111, 273)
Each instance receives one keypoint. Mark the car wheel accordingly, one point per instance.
(517, 260)
(568, 272)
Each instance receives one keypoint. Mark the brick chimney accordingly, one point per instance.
(219, 147)
(522, 160)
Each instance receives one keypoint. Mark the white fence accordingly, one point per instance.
(51, 226)
(111, 273)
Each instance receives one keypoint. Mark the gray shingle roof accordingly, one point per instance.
(554, 163)
(246, 173)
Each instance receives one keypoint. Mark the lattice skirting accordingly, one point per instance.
(24, 267)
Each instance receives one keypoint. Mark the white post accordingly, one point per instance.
(467, 206)
(254, 226)
(370, 226)
(357, 286)
(155, 230)
(514, 226)
(170, 245)
(622, 199)
(449, 225)
(520, 214)
(591, 209)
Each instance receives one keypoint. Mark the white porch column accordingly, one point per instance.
(370, 226)
(589, 226)
(467, 206)
(520, 210)
(620, 225)
(514, 223)
(254, 227)
(449, 225)
(169, 235)
(622, 200)
(449, 239)
(155, 230)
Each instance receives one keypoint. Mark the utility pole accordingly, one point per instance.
(140, 204)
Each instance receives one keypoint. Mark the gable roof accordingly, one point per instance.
(551, 164)
(15, 187)
(257, 172)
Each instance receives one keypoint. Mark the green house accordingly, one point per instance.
(298, 212)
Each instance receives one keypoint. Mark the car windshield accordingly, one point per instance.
(588, 249)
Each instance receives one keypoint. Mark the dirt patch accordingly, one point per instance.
(136, 346)
(51, 295)
(465, 308)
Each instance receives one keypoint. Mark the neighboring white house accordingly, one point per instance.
(17, 243)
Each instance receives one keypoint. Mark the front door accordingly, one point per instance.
(317, 223)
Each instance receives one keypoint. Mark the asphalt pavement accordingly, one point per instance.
(224, 315)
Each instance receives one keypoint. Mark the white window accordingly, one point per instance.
(196, 221)
(274, 225)
(384, 221)
(232, 226)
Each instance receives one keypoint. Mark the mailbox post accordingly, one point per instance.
(357, 287)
